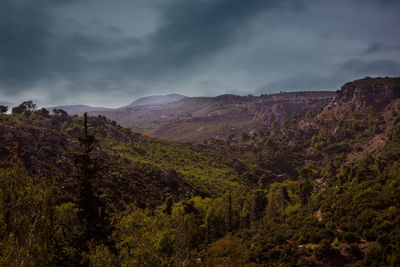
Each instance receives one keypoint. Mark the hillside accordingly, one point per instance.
(139, 168)
(143, 101)
(197, 118)
(155, 100)
(194, 119)
(318, 191)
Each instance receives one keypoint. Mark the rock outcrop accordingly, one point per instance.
(359, 94)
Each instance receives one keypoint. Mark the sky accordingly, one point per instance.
(109, 53)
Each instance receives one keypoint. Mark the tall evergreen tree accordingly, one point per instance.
(92, 209)
(229, 213)
(283, 198)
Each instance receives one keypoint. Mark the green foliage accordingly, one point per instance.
(138, 238)
(308, 195)
(92, 209)
(3, 109)
(245, 137)
(26, 107)
(228, 251)
(26, 218)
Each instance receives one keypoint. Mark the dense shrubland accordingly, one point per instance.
(85, 191)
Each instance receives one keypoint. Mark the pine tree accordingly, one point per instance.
(283, 198)
(229, 213)
(258, 205)
(305, 186)
(92, 209)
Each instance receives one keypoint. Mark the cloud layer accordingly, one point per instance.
(103, 53)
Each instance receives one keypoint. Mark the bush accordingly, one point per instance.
(374, 256)
(350, 238)
(369, 235)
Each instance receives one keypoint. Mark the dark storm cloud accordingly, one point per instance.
(27, 53)
(359, 67)
(89, 51)
(192, 31)
(378, 47)
(23, 35)
(36, 46)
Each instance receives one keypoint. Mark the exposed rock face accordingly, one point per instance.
(359, 94)
(281, 109)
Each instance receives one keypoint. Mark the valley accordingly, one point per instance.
(290, 179)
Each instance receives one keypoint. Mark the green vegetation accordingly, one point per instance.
(83, 191)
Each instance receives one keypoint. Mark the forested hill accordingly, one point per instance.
(318, 191)
(133, 167)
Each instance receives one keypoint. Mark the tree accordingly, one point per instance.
(137, 238)
(3, 109)
(305, 186)
(258, 204)
(187, 232)
(305, 173)
(245, 215)
(229, 138)
(285, 124)
(227, 251)
(275, 125)
(283, 198)
(60, 113)
(43, 112)
(229, 213)
(309, 116)
(245, 137)
(295, 119)
(25, 107)
(92, 209)
(168, 206)
(26, 219)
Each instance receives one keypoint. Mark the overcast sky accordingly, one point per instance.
(108, 53)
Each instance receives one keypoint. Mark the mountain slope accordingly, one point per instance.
(197, 118)
(284, 196)
(135, 167)
(144, 101)
(155, 100)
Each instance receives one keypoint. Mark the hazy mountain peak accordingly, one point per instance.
(156, 100)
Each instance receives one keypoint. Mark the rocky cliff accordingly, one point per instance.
(359, 94)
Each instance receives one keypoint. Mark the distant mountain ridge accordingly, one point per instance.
(194, 119)
(155, 100)
(77, 109)
(143, 101)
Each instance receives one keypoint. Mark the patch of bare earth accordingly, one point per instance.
(378, 141)
(374, 144)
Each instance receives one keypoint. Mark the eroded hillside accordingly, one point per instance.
(197, 118)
